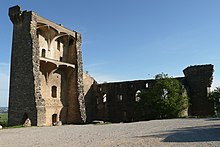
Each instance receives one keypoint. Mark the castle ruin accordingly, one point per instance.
(115, 102)
(47, 83)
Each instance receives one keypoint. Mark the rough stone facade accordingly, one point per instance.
(199, 79)
(89, 96)
(46, 83)
(115, 102)
(48, 86)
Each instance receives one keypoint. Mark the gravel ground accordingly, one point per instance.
(172, 132)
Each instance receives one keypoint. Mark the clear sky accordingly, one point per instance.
(128, 39)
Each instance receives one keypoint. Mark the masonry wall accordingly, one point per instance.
(116, 101)
(89, 96)
(46, 72)
(61, 73)
(47, 83)
(24, 65)
(198, 81)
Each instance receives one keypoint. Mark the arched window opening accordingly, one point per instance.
(147, 85)
(104, 98)
(137, 96)
(119, 97)
(54, 91)
(61, 58)
(54, 119)
(43, 53)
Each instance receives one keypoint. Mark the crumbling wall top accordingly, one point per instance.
(198, 69)
(15, 14)
(200, 73)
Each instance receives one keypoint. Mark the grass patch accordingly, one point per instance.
(18, 126)
(3, 117)
(104, 123)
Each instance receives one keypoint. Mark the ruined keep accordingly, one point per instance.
(115, 102)
(199, 80)
(46, 83)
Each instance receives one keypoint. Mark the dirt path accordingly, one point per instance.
(173, 132)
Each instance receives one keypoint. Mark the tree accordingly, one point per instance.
(215, 96)
(165, 99)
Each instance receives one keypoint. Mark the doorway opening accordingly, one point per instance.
(25, 117)
(54, 119)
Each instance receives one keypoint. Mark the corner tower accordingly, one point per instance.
(46, 82)
(198, 81)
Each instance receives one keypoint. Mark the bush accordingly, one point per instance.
(215, 97)
(4, 119)
(165, 99)
(4, 124)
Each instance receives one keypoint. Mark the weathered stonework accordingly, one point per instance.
(23, 71)
(115, 102)
(89, 96)
(48, 86)
(198, 81)
(46, 82)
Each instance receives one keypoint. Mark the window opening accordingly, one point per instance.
(104, 98)
(54, 91)
(119, 97)
(208, 91)
(147, 85)
(43, 53)
(137, 96)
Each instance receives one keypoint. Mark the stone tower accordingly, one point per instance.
(46, 83)
(198, 80)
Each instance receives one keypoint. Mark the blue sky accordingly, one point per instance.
(128, 40)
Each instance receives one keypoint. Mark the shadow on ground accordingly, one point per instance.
(190, 134)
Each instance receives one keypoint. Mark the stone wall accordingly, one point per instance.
(198, 81)
(24, 65)
(116, 101)
(47, 82)
(89, 96)
(46, 72)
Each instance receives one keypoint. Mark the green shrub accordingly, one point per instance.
(164, 99)
(4, 123)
